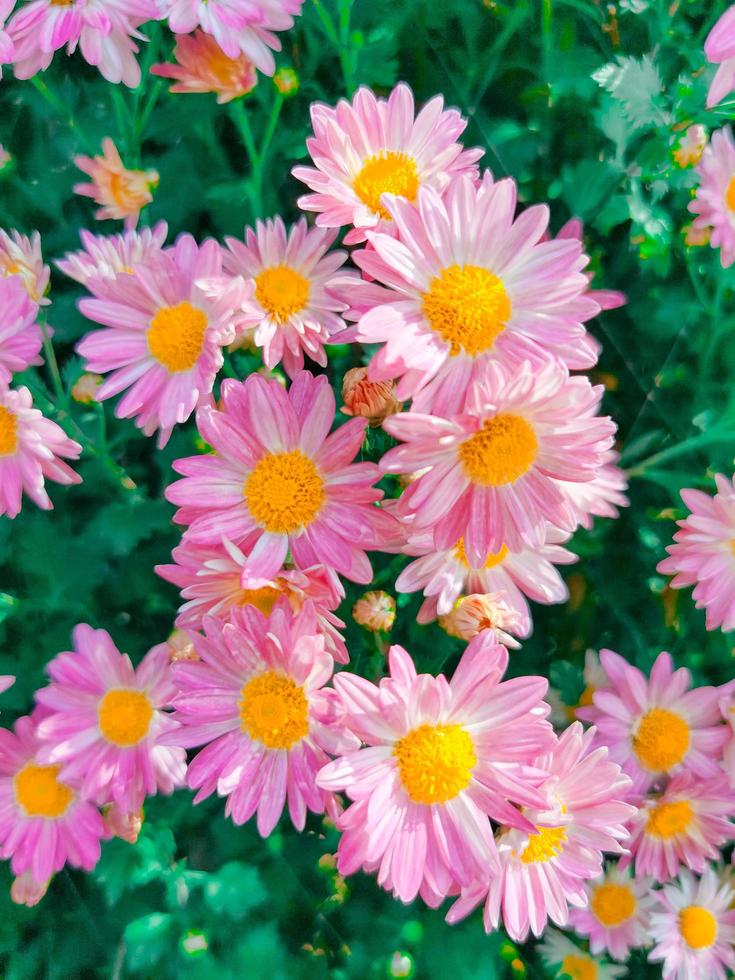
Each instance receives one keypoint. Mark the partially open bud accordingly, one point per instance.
(286, 81)
(376, 611)
(25, 890)
(180, 647)
(85, 389)
(126, 826)
(476, 613)
(372, 400)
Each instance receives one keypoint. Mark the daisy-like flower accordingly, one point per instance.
(291, 307)
(202, 66)
(106, 256)
(31, 452)
(372, 400)
(714, 203)
(256, 700)
(616, 918)
(163, 335)
(44, 822)
(466, 284)
(543, 869)
(369, 147)
(686, 826)
(213, 580)
(122, 193)
(702, 554)
(694, 930)
(719, 49)
(279, 482)
(569, 961)
(440, 758)
(376, 611)
(494, 472)
(21, 256)
(20, 335)
(601, 496)
(655, 727)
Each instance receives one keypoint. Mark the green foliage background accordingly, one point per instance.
(583, 107)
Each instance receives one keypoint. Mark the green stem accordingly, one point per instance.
(709, 438)
(53, 364)
(253, 186)
(63, 111)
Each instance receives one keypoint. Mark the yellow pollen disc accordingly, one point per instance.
(284, 492)
(613, 904)
(386, 173)
(544, 845)
(274, 710)
(493, 559)
(176, 336)
(468, 307)
(125, 716)
(39, 792)
(669, 819)
(263, 599)
(501, 452)
(579, 967)
(435, 762)
(730, 194)
(8, 432)
(281, 291)
(662, 740)
(697, 926)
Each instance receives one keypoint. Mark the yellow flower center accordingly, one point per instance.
(284, 492)
(544, 845)
(39, 792)
(493, 559)
(176, 336)
(8, 432)
(579, 967)
(697, 926)
(281, 291)
(501, 452)
(263, 599)
(125, 716)
(613, 904)
(386, 173)
(662, 740)
(435, 762)
(468, 307)
(669, 819)
(730, 194)
(274, 710)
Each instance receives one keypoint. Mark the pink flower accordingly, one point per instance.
(370, 147)
(163, 338)
(714, 203)
(122, 193)
(291, 308)
(606, 299)
(31, 451)
(617, 916)
(727, 707)
(257, 702)
(105, 256)
(21, 256)
(657, 727)
(601, 496)
(279, 482)
(494, 471)
(7, 48)
(702, 554)
(479, 612)
(544, 866)
(20, 335)
(441, 757)
(719, 49)
(694, 930)
(44, 822)
(202, 66)
(568, 960)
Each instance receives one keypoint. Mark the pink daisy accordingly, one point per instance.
(719, 49)
(371, 147)
(104, 721)
(714, 203)
(617, 915)
(20, 335)
(291, 308)
(44, 822)
(440, 758)
(543, 868)
(278, 481)
(466, 284)
(702, 554)
(493, 473)
(602, 496)
(694, 930)
(657, 727)
(21, 256)
(568, 960)
(104, 256)
(256, 700)
(163, 336)
(31, 451)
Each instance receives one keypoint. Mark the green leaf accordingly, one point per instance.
(636, 84)
(147, 939)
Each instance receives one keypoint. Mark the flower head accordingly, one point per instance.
(106, 256)
(202, 66)
(719, 49)
(20, 335)
(372, 400)
(21, 256)
(617, 916)
(570, 961)
(714, 203)
(122, 193)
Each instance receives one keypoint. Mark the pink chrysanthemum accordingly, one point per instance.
(106, 256)
(104, 721)
(568, 960)
(44, 822)
(617, 915)
(441, 757)
(164, 336)
(602, 496)
(494, 472)
(657, 727)
(695, 930)
(122, 193)
(21, 256)
(280, 482)
(702, 554)
(714, 203)
(719, 49)
(291, 308)
(466, 284)
(202, 66)
(256, 700)
(31, 451)
(370, 147)
(543, 868)
(20, 335)
(7, 48)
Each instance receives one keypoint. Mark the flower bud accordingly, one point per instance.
(372, 400)
(476, 613)
(126, 826)
(85, 388)
(376, 611)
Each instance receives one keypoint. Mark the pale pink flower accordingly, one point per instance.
(601, 496)
(569, 961)
(714, 203)
(371, 146)
(122, 193)
(106, 256)
(202, 66)
(703, 553)
(20, 335)
(376, 611)
(371, 400)
(7, 50)
(21, 256)
(719, 49)
(618, 911)
(475, 613)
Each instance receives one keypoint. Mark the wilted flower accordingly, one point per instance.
(202, 66)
